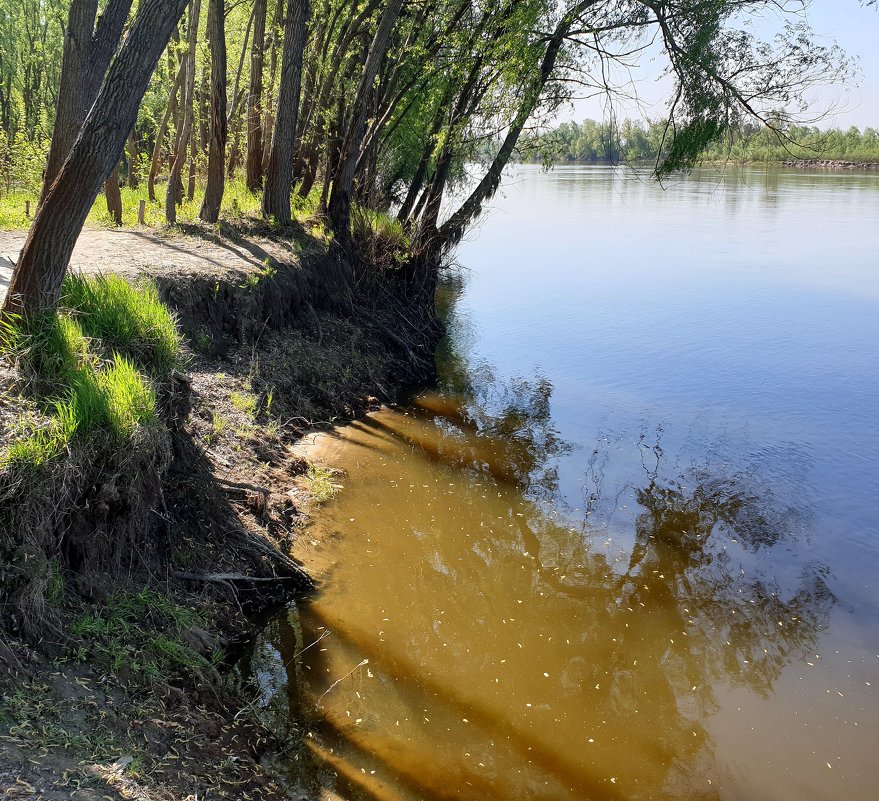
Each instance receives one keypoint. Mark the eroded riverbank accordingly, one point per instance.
(124, 693)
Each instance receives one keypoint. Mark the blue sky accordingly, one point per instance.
(852, 25)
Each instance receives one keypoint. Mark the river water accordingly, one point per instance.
(628, 547)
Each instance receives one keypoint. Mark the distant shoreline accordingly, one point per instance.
(800, 164)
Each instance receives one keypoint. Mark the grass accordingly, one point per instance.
(141, 632)
(90, 366)
(244, 402)
(238, 201)
(128, 318)
(321, 484)
(381, 236)
(12, 208)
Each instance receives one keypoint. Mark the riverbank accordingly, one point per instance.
(119, 689)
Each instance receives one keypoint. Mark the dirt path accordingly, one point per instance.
(131, 251)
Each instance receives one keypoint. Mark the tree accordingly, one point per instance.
(343, 181)
(254, 97)
(173, 194)
(279, 174)
(38, 275)
(213, 195)
(88, 49)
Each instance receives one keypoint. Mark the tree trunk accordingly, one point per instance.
(190, 178)
(36, 281)
(268, 119)
(279, 175)
(254, 98)
(133, 167)
(174, 195)
(233, 121)
(213, 194)
(160, 134)
(114, 196)
(87, 52)
(343, 181)
(452, 230)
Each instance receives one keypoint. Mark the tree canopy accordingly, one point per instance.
(389, 106)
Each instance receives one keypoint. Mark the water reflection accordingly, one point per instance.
(481, 647)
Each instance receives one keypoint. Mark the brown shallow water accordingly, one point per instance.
(647, 569)
(476, 647)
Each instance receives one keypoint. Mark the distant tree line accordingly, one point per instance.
(634, 141)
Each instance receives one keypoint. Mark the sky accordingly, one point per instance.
(848, 22)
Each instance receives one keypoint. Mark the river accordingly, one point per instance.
(627, 548)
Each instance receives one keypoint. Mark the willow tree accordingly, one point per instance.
(279, 172)
(213, 193)
(722, 74)
(39, 273)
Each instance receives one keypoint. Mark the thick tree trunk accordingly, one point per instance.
(343, 181)
(213, 195)
(279, 175)
(88, 50)
(174, 194)
(268, 105)
(114, 196)
(36, 281)
(254, 98)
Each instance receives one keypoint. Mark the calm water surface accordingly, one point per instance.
(628, 548)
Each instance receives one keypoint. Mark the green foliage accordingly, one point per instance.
(141, 632)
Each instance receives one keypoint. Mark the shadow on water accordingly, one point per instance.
(474, 643)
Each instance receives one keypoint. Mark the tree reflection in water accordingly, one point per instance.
(494, 627)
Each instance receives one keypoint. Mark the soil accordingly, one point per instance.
(224, 253)
(275, 352)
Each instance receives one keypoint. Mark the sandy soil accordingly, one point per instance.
(131, 251)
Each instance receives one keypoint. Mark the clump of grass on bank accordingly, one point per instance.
(321, 483)
(89, 368)
(381, 237)
(143, 633)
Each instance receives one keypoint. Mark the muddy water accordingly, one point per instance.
(627, 549)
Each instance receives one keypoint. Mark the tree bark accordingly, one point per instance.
(279, 175)
(36, 281)
(173, 195)
(268, 119)
(160, 134)
(114, 196)
(254, 98)
(213, 195)
(233, 121)
(133, 167)
(343, 181)
(88, 49)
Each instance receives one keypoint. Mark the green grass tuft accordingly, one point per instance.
(89, 366)
(129, 318)
(141, 632)
(321, 483)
